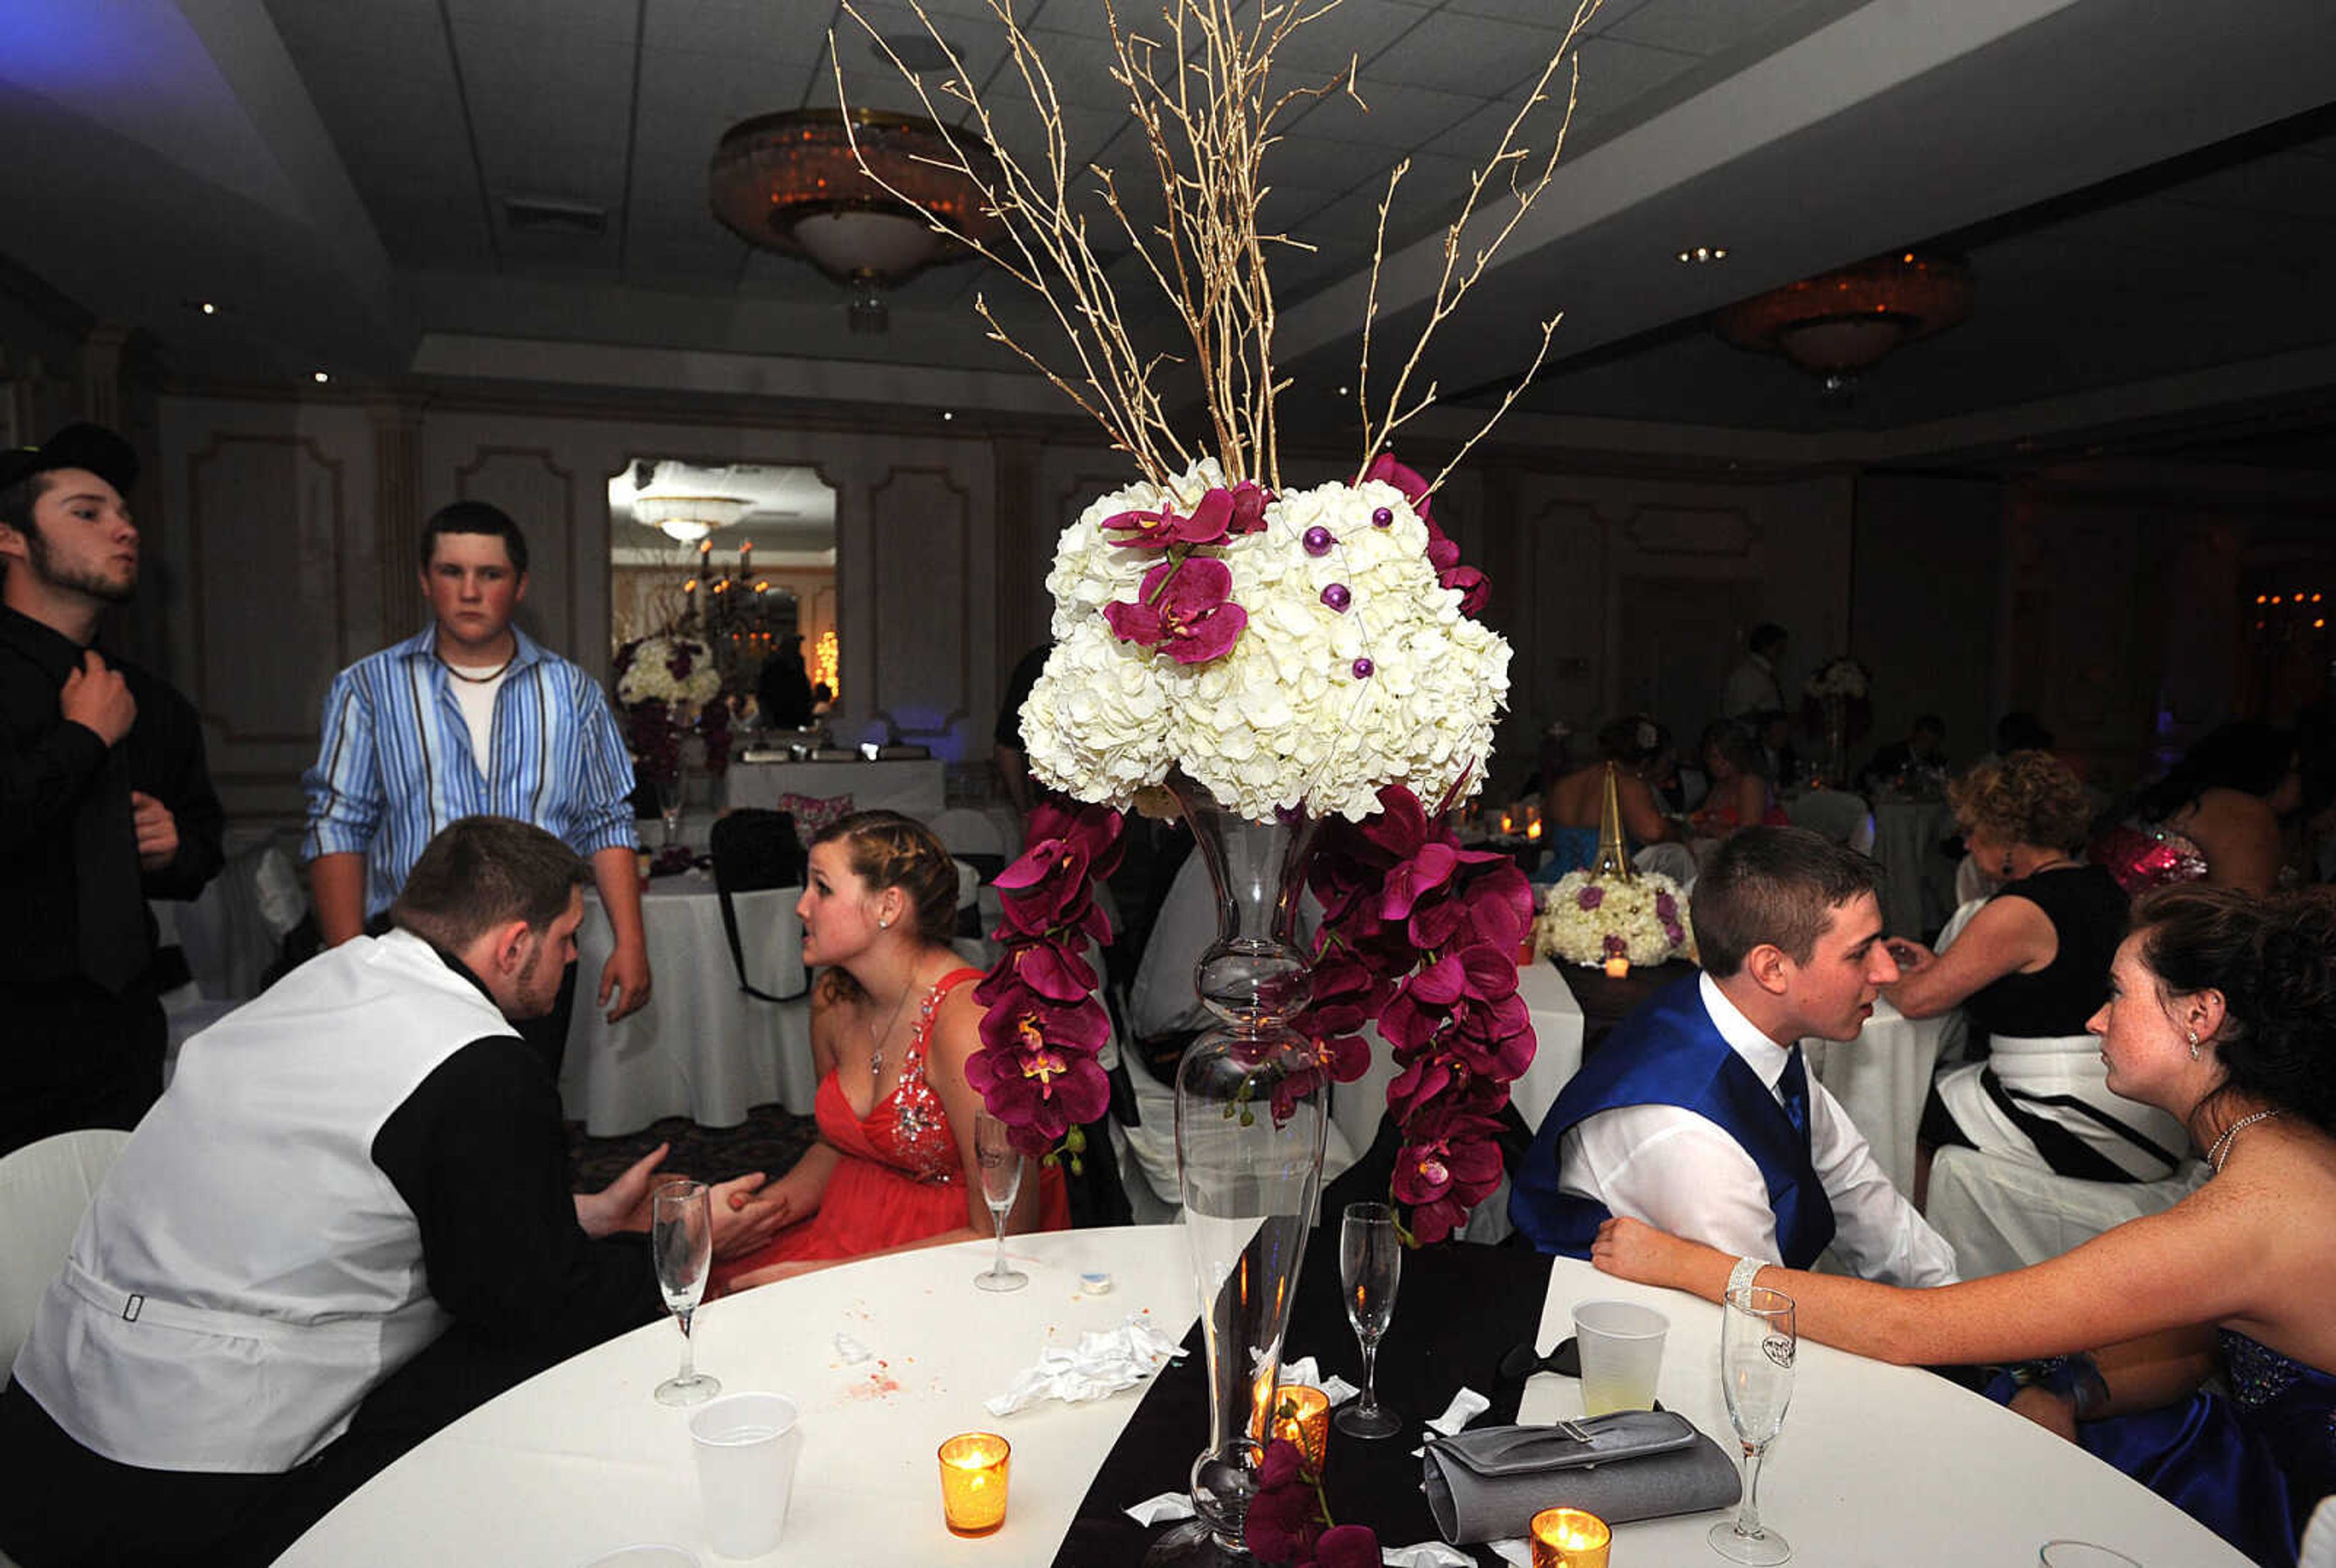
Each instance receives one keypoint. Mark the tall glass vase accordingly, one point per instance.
(1251, 1113)
(1835, 765)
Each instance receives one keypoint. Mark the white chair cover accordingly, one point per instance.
(1954, 1029)
(964, 832)
(1841, 816)
(44, 1188)
(1999, 1215)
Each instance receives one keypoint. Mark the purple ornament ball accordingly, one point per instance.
(1317, 539)
(1383, 518)
(1337, 597)
(1363, 669)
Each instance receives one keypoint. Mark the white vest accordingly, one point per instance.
(247, 1274)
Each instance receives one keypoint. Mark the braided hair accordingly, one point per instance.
(887, 849)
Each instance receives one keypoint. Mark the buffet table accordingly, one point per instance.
(1876, 1465)
(702, 1048)
(912, 788)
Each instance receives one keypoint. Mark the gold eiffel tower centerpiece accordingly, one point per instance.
(1613, 861)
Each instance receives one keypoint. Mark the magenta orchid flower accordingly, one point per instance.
(1185, 610)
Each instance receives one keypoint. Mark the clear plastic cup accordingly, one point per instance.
(746, 1446)
(1621, 1346)
(2081, 1555)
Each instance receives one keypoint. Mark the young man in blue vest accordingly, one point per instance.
(1698, 1115)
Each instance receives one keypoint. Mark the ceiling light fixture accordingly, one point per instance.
(790, 183)
(320, 377)
(1703, 255)
(1839, 323)
(686, 519)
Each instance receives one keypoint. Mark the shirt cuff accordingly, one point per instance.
(614, 835)
(331, 838)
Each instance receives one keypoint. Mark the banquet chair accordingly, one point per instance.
(1839, 815)
(1954, 1029)
(44, 1188)
(2317, 1547)
(2000, 1215)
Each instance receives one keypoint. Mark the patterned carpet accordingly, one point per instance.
(770, 1141)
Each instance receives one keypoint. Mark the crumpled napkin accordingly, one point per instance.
(1303, 1370)
(1427, 1554)
(851, 1350)
(1465, 1406)
(1165, 1509)
(1516, 1549)
(1103, 1363)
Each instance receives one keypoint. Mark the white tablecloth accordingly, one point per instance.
(581, 1460)
(1918, 883)
(702, 1048)
(2000, 1215)
(912, 788)
(1880, 1079)
(1877, 1465)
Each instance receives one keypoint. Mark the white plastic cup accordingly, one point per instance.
(1622, 1347)
(747, 1445)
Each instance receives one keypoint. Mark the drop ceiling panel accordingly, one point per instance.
(1468, 55)
(1362, 28)
(794, 31)
(1700, 27)
(555, 22)
(1388, 115)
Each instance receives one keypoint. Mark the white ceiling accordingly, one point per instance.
(2144, 190)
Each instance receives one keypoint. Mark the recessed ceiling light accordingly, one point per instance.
(321, 378)
(208, 308)
(1702, 255)
(1345, 392)
(949, 414)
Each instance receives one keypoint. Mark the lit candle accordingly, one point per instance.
(1569, 1538)
(1303, 1415)
(973, 1482)
(1618, 968)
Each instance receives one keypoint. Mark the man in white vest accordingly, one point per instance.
(347, 1221)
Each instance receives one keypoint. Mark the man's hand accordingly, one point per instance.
(623, 1204)
(626, 976)
(97, 698)
(158, 831)
(743, 1218)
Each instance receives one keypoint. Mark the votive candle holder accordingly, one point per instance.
(1303, 1415)
(1569, 1538)
(973, 1482)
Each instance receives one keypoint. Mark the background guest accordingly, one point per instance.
(1741, 794)
(2219, 1015)
(1575, 804)
(2030, 967)
(2226, 796)
(783, 688)
(1899, 764)
(393, 771)
(1754, 686)
(104, 800)
(1007, 749)
(894, 1020)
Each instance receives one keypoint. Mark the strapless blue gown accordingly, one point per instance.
(2250, 1467)
(1570, 850)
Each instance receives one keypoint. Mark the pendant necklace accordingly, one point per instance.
(2220, 1151)
(876, 1058)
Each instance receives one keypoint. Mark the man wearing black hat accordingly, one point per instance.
(104, 800)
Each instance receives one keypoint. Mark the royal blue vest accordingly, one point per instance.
(1670, 1053)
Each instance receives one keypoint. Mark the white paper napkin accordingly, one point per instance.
(1465, 1406)
(1303, 1370)
(1516, 1549)
(1102, 1363)
(1425, 1555)
(1165, 1509)
(850, 1349)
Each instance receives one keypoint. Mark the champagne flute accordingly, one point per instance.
(681, 1245)
(1757, 1342)
(1370, 1267)
(1001, 1180)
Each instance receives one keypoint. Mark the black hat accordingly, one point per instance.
(89, 446)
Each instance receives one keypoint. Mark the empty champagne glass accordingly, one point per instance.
(681, 1245)
(1001, 1180)
(1370, 1267)
(1757, 1343)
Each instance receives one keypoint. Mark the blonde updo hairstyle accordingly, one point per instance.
(887, 849)
(2029, 797)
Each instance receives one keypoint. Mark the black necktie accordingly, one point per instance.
(1793, 1087)
(111, 905)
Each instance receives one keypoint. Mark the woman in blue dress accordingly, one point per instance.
(1639, 749)
(2221, 1012)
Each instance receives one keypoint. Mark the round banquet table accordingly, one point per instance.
(1878, 1466)
(702, 1048)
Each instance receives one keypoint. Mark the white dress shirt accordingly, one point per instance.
(1752, 687)
(1679, 1172)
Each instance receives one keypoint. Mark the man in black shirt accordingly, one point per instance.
(104, 800)
(345, 1223)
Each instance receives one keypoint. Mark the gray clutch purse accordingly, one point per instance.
(1488, 1485)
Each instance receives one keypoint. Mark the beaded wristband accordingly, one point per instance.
(1740, 1277)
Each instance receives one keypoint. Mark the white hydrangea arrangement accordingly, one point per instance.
(1335, 660)
(672, 669)
(1588, 920)
(1841, 677)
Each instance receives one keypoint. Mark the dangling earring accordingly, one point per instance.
(2193, 1045)
(2007, 866)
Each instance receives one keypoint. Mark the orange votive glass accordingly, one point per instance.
(1569, 1538)
(1618, 968)
(973, 1482)
(1303, 1415)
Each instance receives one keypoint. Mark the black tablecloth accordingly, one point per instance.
(1459, 1308)
(1606, 1002)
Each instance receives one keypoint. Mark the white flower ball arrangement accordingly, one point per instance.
(1291, 652)
(672, 669)
(1588, 922)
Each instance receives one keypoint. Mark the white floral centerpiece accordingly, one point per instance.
(1841, 679)
(1586, 920)
(671, 668)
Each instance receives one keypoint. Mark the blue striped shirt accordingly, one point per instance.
(396, 764)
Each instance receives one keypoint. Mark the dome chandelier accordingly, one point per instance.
(790, 182)
(1841, 321)
(688, 518)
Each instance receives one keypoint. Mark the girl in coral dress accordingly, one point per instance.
(894, 1020)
